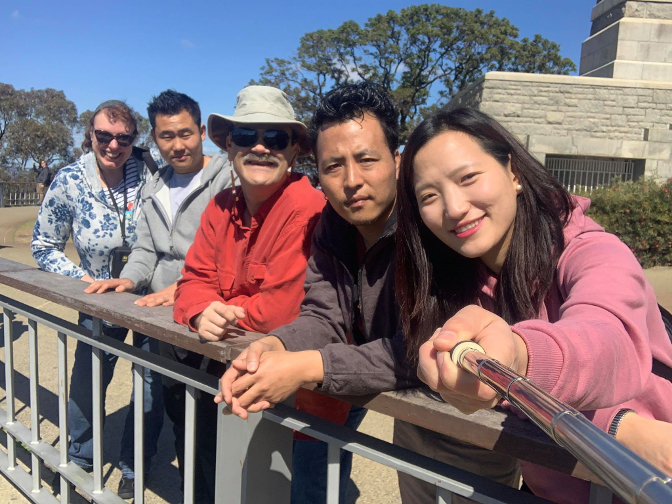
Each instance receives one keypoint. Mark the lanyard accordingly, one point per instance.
(120, 215)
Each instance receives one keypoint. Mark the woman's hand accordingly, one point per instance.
(118, 284)
(460, 388)
(648, 438)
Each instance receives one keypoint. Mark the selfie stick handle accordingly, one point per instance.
(629, 476)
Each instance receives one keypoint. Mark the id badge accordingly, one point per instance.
(128, 214)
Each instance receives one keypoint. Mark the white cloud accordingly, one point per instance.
(15, 14)
(187, 43)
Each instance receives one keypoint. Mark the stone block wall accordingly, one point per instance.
(581, 116)
(608, 12)
(629, 40)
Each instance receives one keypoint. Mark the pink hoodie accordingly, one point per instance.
(593, 342)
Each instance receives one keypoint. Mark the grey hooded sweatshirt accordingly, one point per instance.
(157, 257)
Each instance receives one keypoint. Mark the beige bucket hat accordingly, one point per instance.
(258, 105)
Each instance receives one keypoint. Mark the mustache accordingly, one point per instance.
(266, 158)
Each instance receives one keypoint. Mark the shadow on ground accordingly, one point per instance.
(19, 329)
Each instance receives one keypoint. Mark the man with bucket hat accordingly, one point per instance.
(247, 265)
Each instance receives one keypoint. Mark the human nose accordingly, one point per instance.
(353, 176)
(259, 146)
(113, 144)
(178, 144)
(455, 204)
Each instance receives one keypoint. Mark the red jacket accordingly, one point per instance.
(260, 268)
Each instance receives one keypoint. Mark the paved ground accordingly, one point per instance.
(371, 483)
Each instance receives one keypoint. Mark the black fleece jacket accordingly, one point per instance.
(334, 286)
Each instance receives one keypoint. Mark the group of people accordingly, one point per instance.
(465, 232)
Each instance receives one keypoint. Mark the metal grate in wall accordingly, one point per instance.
(581, 173)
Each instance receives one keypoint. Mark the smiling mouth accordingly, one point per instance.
(113, 156)
(467, 227)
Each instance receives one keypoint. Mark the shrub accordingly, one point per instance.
(640, 214)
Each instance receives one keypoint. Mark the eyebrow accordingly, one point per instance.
(420, 187)
(358, 154)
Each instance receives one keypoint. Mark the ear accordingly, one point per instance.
(295, 149)
(153, 133)
(397, 163)
(515, 182)
(202, 132)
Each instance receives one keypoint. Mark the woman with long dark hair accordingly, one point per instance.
(491, 248)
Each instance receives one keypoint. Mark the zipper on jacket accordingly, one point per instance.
(360, 300)
(162, 210)
(191, 196)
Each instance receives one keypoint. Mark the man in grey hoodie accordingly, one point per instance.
(174, 200)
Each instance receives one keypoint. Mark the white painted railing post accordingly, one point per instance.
(254, 458)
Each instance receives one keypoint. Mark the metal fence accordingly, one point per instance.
(586, 174)
(18, 194)
(253, 457)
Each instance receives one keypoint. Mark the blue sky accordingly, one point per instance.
(96, 51)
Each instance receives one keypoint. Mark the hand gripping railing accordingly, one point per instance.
(629, 476)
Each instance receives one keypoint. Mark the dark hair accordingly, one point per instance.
(170, 102)
(433, 282)
(352, 101)
(115, 110)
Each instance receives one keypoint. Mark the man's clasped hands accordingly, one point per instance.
(264, 374)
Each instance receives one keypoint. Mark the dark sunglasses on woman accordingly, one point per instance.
(104, 137)
(273, 139)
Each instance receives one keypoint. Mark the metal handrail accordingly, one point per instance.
(630, 477)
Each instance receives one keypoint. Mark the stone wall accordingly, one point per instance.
(607, 12)
(629, 40)
(583, 116)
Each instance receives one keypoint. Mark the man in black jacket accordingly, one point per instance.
(43, 181)
(349, 309)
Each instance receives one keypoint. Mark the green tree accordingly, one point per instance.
(416, 53)
(13, 107)
(144, 131)
(40, 127)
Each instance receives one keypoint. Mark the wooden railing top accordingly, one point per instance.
(492, 429)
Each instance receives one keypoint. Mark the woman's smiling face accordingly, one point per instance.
(110, 155)
(466, 197)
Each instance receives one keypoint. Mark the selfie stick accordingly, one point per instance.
(629, 476)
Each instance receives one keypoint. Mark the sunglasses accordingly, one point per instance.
(122, 139)
(273, 139)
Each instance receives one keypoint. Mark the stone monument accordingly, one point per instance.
(629, 40)
(615, 119)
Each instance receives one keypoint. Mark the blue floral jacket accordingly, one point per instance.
(76, 205)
